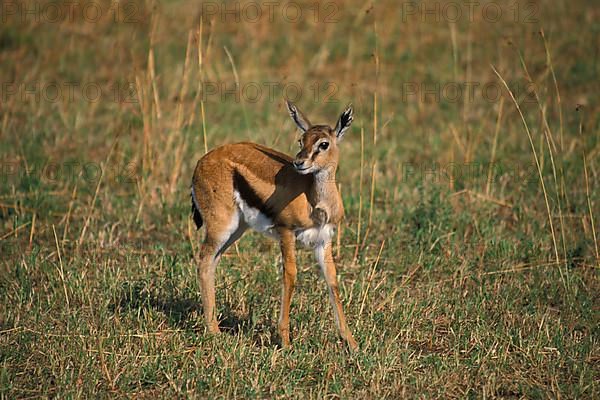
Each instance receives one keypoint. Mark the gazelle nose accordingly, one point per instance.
(298, 163)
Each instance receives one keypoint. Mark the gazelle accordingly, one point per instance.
(246, 185)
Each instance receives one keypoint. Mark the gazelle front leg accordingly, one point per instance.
(325, 258)
(288, 253)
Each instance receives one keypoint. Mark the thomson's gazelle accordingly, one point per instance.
(246, 185)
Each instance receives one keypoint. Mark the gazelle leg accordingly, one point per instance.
(214, 246)
(288, 252)
(208, 261)
(325, 259)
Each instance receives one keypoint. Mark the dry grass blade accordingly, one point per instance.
(69, 211)
(494, 146)
(93, 201)
(32, 232)
(238, 86)
(370, 279)
(200, 80)
(551, 149)
(360, 192)
(537, 162)
(61, 269)
(588, 195)
(15, 230)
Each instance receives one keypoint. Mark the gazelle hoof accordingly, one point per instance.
(352, 345)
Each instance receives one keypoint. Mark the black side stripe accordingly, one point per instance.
(248, 194)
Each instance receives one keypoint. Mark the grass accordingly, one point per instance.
(447, 264)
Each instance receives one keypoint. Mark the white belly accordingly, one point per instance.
(310, 237)
(254, 218)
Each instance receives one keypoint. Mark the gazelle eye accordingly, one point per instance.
(300, 142)
(324, 146)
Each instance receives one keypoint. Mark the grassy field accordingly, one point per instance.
(468, 258)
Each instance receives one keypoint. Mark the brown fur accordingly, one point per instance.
(271, 182)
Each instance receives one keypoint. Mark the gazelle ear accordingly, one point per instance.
(344, 122)
(301, 121)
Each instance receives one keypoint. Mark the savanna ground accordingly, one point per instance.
(463, 273)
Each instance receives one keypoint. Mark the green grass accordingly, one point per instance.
(467, 298)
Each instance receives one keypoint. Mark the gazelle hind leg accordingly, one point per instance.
(325, 258)
(219, 236)
(207, 263)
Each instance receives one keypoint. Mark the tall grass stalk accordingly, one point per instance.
(547, 134)
(494, 147)
(146, 121)
(177, 136)
(200, 80)
(537, 162)
(69, 211)
(587, 193)
(360, 191)
(375, 126)
(238, 86)
(92, 204)
(151, 67)
(560, 118)
(370, 278)
(61, 270)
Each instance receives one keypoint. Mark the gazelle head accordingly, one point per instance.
(319, 143)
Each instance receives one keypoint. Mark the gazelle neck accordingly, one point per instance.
(325, 183)
(326, 193)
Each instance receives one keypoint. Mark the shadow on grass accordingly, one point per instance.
(262, 334)
(142, 295)
(185, 312)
